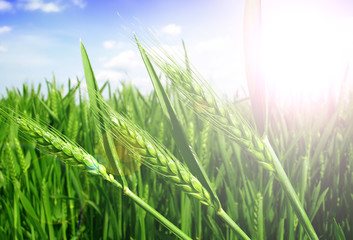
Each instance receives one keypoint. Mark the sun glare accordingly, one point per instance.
(305, 53)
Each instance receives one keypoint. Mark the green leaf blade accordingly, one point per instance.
(179, 134)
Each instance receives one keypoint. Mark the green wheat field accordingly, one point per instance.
(179, 162)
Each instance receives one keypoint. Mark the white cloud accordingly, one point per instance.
(3, 49)
(114, 78)
(171, 29)
(5, 29)
(104, 75)
(5, 6)
(217, 61)
(126, 60)
(32, 5)
(213, 44)
(111, 44)
(79, 3)
(27, 60)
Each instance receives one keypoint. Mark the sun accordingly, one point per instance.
(305, 52)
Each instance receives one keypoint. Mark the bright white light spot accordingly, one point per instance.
(171, 29)
(111, 44)
(213, 44)
(304, 53)
(104, 75)
(127, 60)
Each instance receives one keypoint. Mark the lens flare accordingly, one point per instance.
(305, 52)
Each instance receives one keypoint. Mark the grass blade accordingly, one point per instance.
(291, 194)
(183, 144)
(178, 132)
(95, 105)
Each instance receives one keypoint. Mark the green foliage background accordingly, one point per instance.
(42, 198)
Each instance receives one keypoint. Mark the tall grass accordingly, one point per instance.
(316, 150)
(193, 173)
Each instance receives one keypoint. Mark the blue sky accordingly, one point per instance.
(38, 38)
(41, 37)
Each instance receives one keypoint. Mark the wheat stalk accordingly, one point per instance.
(207, 105)
(55, 143)
(153, 154)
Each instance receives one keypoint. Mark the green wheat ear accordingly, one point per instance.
(55, 143)
(144, 148)
(205, 103)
